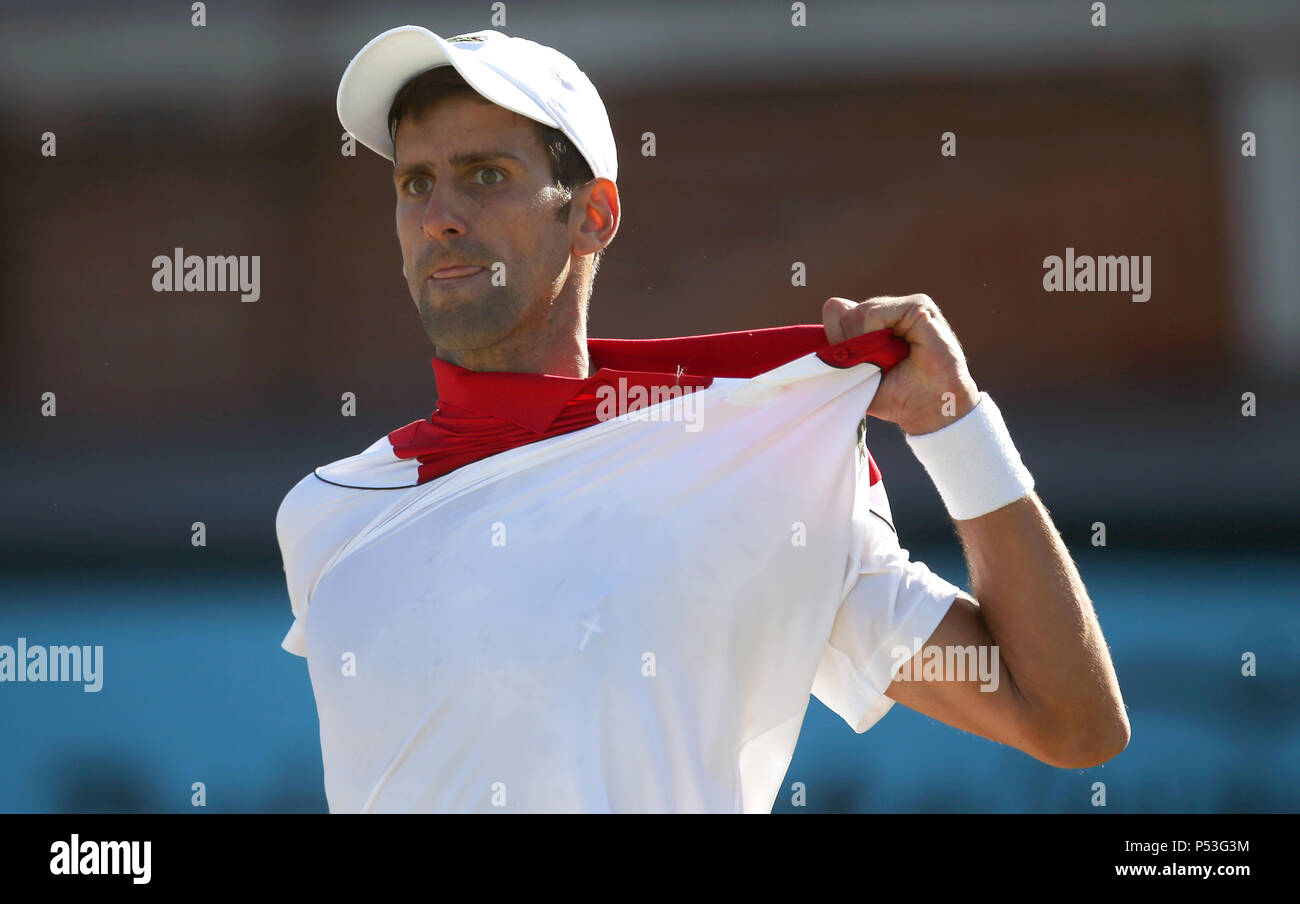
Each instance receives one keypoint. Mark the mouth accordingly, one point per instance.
(460, 272)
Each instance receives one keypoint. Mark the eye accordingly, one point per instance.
(416, 185)
(490, 169)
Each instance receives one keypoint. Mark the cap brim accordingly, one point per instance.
(376, 74)
(384, 65)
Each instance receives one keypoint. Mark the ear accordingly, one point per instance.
(598, 203)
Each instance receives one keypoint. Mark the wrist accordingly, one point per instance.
(973, 462)
(963, 401)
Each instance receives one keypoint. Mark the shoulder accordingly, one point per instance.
(376, 467)
(325, 487)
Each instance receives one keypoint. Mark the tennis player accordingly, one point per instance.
(605, 575)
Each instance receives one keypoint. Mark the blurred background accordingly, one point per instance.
(774, 144)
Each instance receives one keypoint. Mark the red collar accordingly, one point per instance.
(533, 401)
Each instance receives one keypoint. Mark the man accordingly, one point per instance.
(604, 575)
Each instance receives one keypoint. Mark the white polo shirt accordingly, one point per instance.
(629, 617)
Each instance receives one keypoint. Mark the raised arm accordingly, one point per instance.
(1056, 696)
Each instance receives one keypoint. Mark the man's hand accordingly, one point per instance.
(912, 393)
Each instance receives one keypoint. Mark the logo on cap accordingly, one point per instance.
(468, 38)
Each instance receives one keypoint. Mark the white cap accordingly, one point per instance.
(521, 75)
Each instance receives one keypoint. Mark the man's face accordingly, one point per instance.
(474, 187)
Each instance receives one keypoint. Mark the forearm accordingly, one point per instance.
(1038, 613)
(1030, 596)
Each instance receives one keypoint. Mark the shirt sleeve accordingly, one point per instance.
(289, 531)
(318, 517)
(313, 522)
(895, 603)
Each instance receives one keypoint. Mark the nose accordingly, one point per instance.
(442, 216)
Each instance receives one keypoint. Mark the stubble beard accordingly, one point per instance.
(471, 321)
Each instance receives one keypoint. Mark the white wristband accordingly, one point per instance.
(973, 463)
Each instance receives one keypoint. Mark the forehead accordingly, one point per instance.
(456, 125)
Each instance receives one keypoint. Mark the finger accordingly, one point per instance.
(897, 314)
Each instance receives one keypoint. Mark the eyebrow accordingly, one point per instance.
(458, 161)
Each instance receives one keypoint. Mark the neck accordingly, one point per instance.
(557, 346)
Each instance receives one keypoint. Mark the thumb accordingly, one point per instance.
(833, 312)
